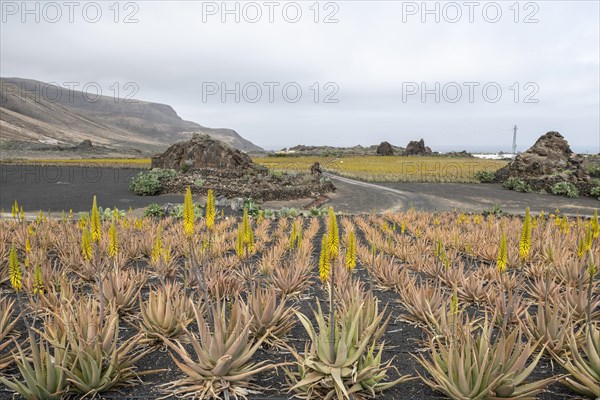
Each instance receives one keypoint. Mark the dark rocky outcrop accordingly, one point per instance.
(415, 148)
(549, 161)
(315, 169)
(385, 149)
(205, 163)
(84, 145)
(200, 152)
(459, 154)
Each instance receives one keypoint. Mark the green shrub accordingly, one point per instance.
(252, 207)
(485, 176)
(149, 183)
(596, 192)
(318, 212)
(177, 211)
(496, 211)
(269, 213)
(565, 189)
(517, 184)
(199, 182)
(106, 214)
(154, 210)
(276, 174)
(289, 212)
(594, 171)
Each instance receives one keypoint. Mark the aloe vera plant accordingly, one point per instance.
(583, 364)
(97, 360)
(353, 370)
(220, 364)
(270, 314)
(473, 366)
(166, 312)
(43, 371)
(7, 322)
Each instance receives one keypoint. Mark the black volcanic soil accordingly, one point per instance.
(52, 188)
(401, 344)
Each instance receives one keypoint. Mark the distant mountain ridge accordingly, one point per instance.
(37, 112)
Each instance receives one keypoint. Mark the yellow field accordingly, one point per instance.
(142, 163)
(390, 169)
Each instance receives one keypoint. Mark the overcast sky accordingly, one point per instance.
(378, 66)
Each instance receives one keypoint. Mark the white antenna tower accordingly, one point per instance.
(514, 149)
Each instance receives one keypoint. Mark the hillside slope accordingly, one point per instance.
(33, 112)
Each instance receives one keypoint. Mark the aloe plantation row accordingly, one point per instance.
(397, 305)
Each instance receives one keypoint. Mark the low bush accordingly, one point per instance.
(252, 207)
(154, 210)
(517, 184)
(596, 192)
(177, 210)
(565, 189)
(149, 183)
(485, 176)
(594, 171)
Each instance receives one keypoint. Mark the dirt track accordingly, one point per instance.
(64, 188)
(449, 196)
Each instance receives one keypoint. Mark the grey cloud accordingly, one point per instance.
(370, 53)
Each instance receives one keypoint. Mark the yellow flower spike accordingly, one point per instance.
(247, 234)
(249, 238)
(324, 265)
(351, 252)
(189, 216)
(38, 282)
(589, 237)
(333, 235)
(292, 241)
(502, 259)
(239, 245)
(96, 225)
(525, 239)
(564, 224)
(403, 227)
(210, 210)
(454, 308)
(27, 245)
(157, 247)
(595, 225)
(113, 240)
(581, 248)
(82, 221)
(86, 244)
(22, 214)
(70, 213)
(14, 269)
(166, 254)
